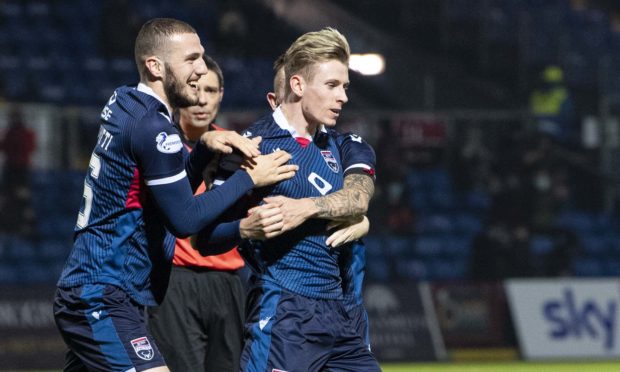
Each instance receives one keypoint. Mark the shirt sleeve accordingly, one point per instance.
(187, 214)
(195, 163)
(158, 150)
(357, 155)
(160, 154)
(224, 234)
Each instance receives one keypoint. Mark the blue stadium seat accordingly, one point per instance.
(614, 244)
(9, 273)
(414, 179)
(612, 268)
(375, 247)
(478, 200)
(419, 200)
(4, 245)
(588, 267)
(575, 221)
(466, 222)
(15, 85)
(443, 199)
(603, 222)
(57, 227)
(541, 245)
(450, 269)
(399, 246)
(457, 246)
(378, 269)
(36, 272)
(595, 245)
(414, 269)
(11, 9)
(433, 223)
(20, 249)
(429, 245)
(36, 9)
(54, 250)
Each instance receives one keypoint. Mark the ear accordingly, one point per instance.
(155, 66)
(271, 99)
(298, 85)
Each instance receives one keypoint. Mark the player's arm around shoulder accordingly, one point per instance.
(245, 220)
(350, 203)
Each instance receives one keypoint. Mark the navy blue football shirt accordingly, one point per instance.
(299, 260)
(135, 192)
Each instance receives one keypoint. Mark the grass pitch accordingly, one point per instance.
(505, 367)
(515, 366)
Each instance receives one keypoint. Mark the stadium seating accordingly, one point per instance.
(51, 54)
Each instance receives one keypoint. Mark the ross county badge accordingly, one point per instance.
(330, 160)
(143, 348)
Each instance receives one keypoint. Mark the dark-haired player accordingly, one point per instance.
(137, 189)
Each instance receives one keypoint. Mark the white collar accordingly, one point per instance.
(280, 119)
(148, 90)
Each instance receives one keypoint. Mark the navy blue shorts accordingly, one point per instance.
(289, 332)
(359, 316)
(105, 329)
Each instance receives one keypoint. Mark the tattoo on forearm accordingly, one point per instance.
(351, 201)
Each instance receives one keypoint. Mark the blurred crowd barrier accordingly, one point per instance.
(410, 321)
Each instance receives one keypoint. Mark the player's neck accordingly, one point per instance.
(192, 133)
(158, 88)
(296, 119)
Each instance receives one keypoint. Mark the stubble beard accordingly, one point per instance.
(174, 90)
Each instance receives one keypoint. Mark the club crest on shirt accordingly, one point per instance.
(168, 143)
(330, 160)
(143, 348)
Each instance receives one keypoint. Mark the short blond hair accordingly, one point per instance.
(154, 36)
(315, 47)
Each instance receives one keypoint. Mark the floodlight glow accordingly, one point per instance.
(367, 64)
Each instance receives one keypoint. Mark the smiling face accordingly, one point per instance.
(196, 118)
(324, 94)
(183, 67)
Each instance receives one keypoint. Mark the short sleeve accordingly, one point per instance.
(357, 155)
(158, 149)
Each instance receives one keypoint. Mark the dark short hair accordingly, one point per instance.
(213, 66)
(153, 36)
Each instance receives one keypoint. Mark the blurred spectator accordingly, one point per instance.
(400, 217)
(547, 178)
(500, 252)
(394, 164)
(566, 248)
(233, 31)
(18, 145)
(471, 165)
(552, 107)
